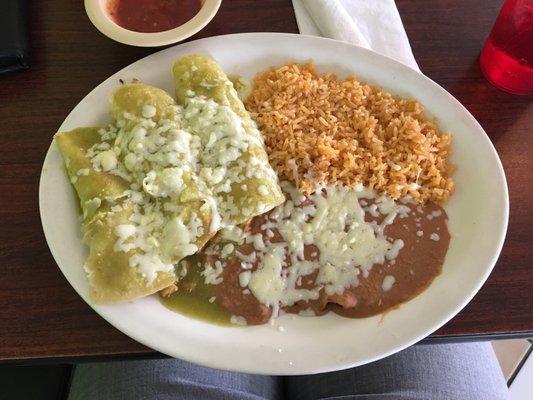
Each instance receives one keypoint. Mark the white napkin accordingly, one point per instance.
(374, 24)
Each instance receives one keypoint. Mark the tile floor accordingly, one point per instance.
(522, 385)
(516, 361)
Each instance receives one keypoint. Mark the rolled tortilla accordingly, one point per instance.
(123, 272)
(111, 278)
(133, 97)
(216, 114)
(195, 196)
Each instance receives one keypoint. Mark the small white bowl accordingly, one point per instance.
(99, 15)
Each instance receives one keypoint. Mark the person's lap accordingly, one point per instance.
(451, 371)
(447, 371)
(168, 379)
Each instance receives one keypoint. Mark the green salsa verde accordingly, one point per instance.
(192, 297)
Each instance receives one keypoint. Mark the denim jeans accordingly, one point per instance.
(465, 371)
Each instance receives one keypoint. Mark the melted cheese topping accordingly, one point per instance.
(192, 153)
(224, 140)
(388, 281)
(333, 220)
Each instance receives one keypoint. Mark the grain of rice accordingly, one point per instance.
(342, 130)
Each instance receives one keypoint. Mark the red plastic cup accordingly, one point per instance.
(507, 57)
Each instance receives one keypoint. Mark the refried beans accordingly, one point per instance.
(425, 237)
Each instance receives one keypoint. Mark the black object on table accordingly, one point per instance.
(13, 36)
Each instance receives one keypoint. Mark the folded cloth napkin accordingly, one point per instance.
(13, 35)
(374, 24)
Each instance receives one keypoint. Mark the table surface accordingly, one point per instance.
(42, 317)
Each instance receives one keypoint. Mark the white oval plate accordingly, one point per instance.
(478, 213)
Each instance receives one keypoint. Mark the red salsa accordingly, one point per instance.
(152, 15)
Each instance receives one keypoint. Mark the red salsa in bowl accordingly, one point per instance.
(150, 16)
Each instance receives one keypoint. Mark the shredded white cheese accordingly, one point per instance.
(388, 281)
(238, 320)
(334, 222)
(187, 154)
